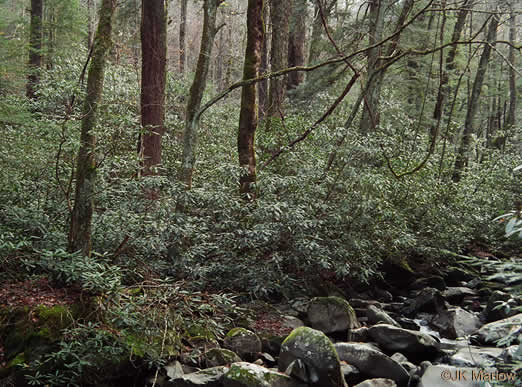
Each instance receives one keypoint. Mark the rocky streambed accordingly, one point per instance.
(433, 332)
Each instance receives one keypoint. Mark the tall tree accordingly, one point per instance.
(474, 100)
(80, 228)
(182, 29)
(248, 112)
(279, 16)
(370, 115)
(296, 42)
(262, 88)
(35, 48)
(196, 91)
(153, 77)
(511, 115)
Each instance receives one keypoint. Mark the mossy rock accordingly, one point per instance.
(220, 356)
(198, 330)
(244, 374)
(243, 342)
(331, 314)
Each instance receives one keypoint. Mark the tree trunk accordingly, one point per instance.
(296, 43)
(248, 112)
(279, 16)
(80, 229)
(370, 116)
(35, 48)
(196, 91)
(511, 114)
(444, 89)
(153, 78)
(262, 89)
(182, 29)
(90, 24)
(473, 103)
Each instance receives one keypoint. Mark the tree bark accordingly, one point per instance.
(182, 29)
(35, 48)
(370, 116)
(473, 103)
(296, 43)
(196, 91)
(248, 112)
(262, 89)
(90, 24)
(80, 228)
(279, 16)
(153, 79)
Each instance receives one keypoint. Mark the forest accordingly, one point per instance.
(260, 193)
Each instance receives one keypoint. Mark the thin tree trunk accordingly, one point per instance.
(196, 91)
(182, 29)
(473, 103)
(80, 229)
(153, 78)
(262, 89)
(90, 24)
(35, 48)
(248, 112)
(370, 116)
(296, 43)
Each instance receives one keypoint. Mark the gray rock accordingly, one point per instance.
(210, 377)
(358, 334)
(372, 362)
(244, 374)
(456, 322)
(472, 356)
(419, 346)
(309, 354)
(351, 374)
(174, 370)
(243, 342)
(455, 295)
(497, 298)
(219, 356)
(494, 331)
(427, 300)
(511, 353)
(449, 376)
(331, 314)
(376, 316)
(381, 382)
(399, 357)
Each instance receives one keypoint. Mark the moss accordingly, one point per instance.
(17, 360)
(197, 330)
(311, 338)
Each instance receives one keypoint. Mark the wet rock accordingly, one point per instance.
(492, 332)
(414, 344)
(358, 335)
(472, 356)
(308, 353)
(244, 374)
(376, 316)
(408, 323)
(455, 295)
(210, 377)
(372, 362)
(427, 300)
(331, 314)
(243, 342)
(381, 382)
(456, 322)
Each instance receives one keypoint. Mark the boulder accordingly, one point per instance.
(417, 345)
(219, 357)
(244, 374)
(494, 331)
(456, 322)
(377, 383)
(435, 281)
(472, 356)
(455, 295)
(243, 342)
(376, 316)
(358, 335)
(210, 377)
(372, 362)
(428, 300)
(309, 354)
(331, 314)
(494, 311)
